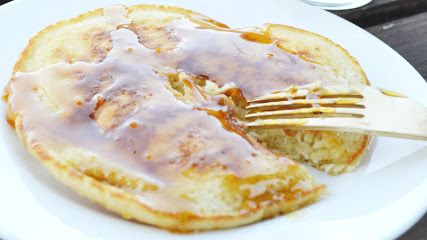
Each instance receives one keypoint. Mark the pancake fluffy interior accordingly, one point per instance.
(141, 109)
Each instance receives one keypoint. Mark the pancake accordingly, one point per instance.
(140, 109)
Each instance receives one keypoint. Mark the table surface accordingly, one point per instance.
(402, 24)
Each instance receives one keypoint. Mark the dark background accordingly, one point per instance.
(402, 24)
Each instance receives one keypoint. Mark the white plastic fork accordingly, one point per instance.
(362, 109)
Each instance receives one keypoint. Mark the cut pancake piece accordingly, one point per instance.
(332, 152)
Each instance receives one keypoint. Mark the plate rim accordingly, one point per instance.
(418, 208)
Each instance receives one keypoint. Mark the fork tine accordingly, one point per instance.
(305, 123)
(319, 111)
(321, 101)
(271, 123)
(287, 96)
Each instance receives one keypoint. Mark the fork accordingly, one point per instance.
(362, 109)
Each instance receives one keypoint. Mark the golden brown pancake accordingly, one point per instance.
(141, 110)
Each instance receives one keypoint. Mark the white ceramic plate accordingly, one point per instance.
(382, 199)
(338, 4)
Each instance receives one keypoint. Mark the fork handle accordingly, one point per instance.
(394, 115)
